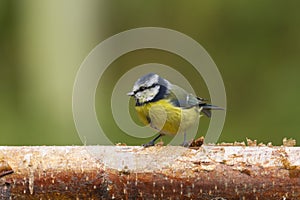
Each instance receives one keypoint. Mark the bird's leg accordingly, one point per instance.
(185, 143)
(152, 142)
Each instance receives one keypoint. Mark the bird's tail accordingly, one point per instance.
(206, 109)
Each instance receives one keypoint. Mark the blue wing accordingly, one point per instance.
(181, 98)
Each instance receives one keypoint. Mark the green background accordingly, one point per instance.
(255, 44)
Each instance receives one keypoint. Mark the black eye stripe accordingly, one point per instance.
(145, 88)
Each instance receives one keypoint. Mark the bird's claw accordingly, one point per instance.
(186, 144)
(149, 144)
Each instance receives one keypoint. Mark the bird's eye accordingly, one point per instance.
(142, 88)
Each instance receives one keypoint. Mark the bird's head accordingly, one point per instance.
(149, 88)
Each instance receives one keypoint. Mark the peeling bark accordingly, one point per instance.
(169, 172)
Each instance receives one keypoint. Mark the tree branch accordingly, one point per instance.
(169, 172)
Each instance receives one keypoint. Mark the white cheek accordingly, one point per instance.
(141, 97)
(149, 97)
(138, 95)
(152, 93)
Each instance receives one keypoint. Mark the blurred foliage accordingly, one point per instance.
(255, 45)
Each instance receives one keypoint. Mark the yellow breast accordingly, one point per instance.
(164, 116)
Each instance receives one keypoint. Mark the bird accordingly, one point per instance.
(167, 107)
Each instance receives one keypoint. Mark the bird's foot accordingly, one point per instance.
(152, 142)
(186, 144)
(149, 144)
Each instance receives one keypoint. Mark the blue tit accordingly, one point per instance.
(167, 107)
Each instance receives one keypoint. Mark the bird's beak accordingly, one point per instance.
(130, 93)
